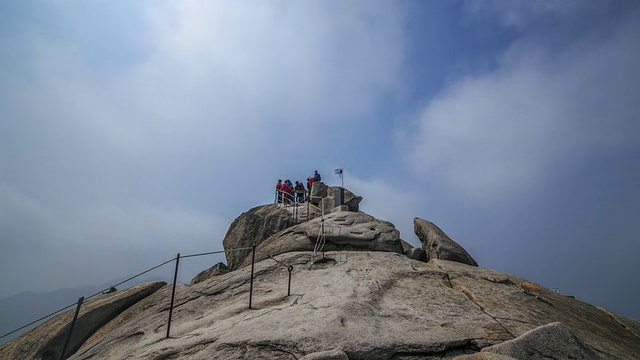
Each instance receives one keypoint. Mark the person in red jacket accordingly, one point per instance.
(309, 184)
(280, 188)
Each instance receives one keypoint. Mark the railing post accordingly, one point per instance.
(290, 268)
(73, 323)
(253, 261)
(173, 294)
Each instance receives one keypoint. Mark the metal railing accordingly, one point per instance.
(110, 289)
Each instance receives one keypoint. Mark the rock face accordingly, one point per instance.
(552, 341)
(253, 227)
(438, 245)
(375, 305)
(364, 300)
(320, 190)
(335, 354)
(413, 253)
(47, 341)
(215, 270)
(343, 230)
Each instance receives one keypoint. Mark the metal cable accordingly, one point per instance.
(86, 298)
(42, 318)
(129, 279)
(217, 252)
(120, 283)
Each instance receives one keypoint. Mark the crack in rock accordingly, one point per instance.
(621, 324)
(469, 296)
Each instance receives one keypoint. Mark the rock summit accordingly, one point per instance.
(363, 294)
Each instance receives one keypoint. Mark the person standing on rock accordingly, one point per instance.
(309, 185)
(300, 191)
(316, 176)
(279, 190)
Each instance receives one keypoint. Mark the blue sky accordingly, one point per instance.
(131, 132)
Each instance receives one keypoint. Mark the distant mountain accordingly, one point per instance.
(23, 308)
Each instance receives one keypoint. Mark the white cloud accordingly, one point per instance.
(56, 246)
(389, 202)
(503, 132)
(123, 157)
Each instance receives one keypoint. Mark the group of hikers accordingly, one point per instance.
(287, 192)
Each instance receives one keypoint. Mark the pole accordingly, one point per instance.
(173, 294)
(290, 268)
(73, 323)
(253, 261)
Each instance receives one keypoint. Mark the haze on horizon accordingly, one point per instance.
(134, 131)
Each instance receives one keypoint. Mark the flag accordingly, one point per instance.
(338, 172)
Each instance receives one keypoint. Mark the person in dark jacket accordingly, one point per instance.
(316, 176)
(300, 191)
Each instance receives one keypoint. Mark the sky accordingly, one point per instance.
(133, 131)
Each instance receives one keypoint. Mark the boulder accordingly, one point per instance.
(253, 227)
(417, 254)
(215, 270)
(318, 191)
(47, 341)
(551, 341)
(406, 246)
(344, 230)
(438, 245)
(375, 305)
(326, 194)
(412, 252)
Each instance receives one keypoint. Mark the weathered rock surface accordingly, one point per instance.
(47, 341)
(416, 254)
(335, 354)
(343, 230)
(320, 190)
(215, 270)
(253, 227)
(484, 356)
(438, 245)
(412, 252)
(375, 305)
(551, 341)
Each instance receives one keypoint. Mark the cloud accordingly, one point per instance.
(56, 247)
(146, 135)
(389, 202)
(504, 132)
(523, 15)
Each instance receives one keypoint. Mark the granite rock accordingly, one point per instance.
(47, 340)
(215, 270)
(375, 305)
(438, 245)
(253, 227)
(344, 230)
(551, 341)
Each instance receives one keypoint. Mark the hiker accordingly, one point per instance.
(309, 184)
(279, 190)
(290, 191)
(300, 191)
(316, 176)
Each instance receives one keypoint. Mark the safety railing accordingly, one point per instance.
(291, 202)
(112, 288)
